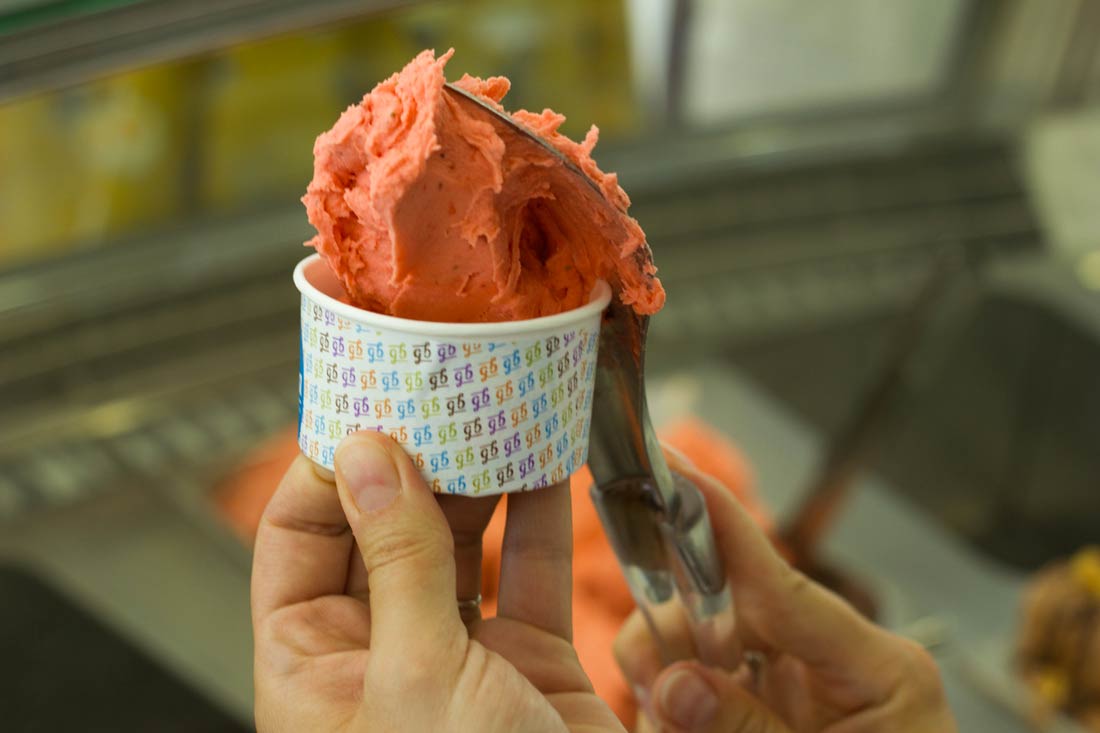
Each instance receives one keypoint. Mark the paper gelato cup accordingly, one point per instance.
(482, 408)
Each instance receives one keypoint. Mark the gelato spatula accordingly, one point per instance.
(656, 521)
(465, 97)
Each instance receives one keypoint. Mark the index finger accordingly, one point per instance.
(303, 543)
(783, 607)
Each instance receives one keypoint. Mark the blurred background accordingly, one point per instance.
(878, 224)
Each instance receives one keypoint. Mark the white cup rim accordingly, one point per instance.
(598, 300)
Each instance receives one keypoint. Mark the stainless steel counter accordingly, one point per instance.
(163, 578)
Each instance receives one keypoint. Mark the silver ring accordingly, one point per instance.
(469, 604)
(755, 661)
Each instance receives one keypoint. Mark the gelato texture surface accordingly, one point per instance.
(427, 208)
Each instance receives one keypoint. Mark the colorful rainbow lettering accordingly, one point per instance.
(477, 417)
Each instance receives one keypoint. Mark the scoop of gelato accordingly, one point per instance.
(427, 209)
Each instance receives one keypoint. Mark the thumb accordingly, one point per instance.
(406, 546)
(690, 698)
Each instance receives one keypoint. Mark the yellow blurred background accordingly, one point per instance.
(233, 130)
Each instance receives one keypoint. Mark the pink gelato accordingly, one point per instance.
(427, 209)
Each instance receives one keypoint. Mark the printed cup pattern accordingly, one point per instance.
(478, 416)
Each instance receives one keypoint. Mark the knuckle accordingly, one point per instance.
(403, 545)
(280, 644)
(543, 553)
(922, 671)
(795, 583)
(918, 661)
(793, 591)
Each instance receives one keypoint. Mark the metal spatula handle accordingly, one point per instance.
(656, 521)
(672, 566)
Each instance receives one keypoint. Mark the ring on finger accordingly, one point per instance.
(755, 661)
(469, 605)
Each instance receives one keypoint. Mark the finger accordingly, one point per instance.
(637, 656)
(645, 723)
(690, 697)
(468, 517)
(641, 656)
(536, 571)
(407, 550)
(302, 544)
(788, 611)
